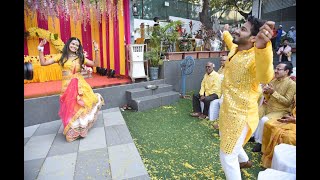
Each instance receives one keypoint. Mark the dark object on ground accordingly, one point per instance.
(151, 86)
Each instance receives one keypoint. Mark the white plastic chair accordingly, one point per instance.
(272, 174)
(214, 109)
(284, 158)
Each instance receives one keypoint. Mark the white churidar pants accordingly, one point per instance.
(259, 131)
(230, 162)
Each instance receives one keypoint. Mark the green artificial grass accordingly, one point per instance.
(174, 145)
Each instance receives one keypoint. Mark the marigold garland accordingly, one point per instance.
(44, 34)
(50, 37)
(36, 60)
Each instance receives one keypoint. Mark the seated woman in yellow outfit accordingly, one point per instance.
(277, 131)
(79, 105)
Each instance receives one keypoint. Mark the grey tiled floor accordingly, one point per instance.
(108, 151)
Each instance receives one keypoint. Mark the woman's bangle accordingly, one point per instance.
(40, 48)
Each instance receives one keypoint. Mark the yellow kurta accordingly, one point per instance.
(221, 70)
(282, 98)
(240, 88)
(211, 84)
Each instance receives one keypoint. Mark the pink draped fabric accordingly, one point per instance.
(44, 25)
(127, 24)
(87, 39)
(116, 42)
(68, 102)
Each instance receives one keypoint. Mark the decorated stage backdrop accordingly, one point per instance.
(106, 22)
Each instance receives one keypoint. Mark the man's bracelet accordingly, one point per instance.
(40, 48)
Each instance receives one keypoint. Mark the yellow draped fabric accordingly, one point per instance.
(240, 88)
(274, 133)
(45, 73)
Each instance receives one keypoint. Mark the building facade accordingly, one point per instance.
(280, 11)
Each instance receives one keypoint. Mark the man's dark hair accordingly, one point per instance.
(155, 19)
(285, 39)
(256, 24)
(288, 66)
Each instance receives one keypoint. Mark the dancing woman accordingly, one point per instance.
(79, 105)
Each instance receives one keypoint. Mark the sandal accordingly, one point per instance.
(247, 164)
(125, 107)
(195, 114)
(202, 116)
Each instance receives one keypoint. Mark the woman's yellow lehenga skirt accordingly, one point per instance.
(79, 106)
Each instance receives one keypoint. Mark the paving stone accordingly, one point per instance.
(48, 128)
(94, 140)
(111, 110)
(143, 177)
(93, 164)
(26, 140)
(38, 147)
(28, 131)
(61, 128)
(47, 154)
(58, 167)
(118, 134)
(113, 118)
(99, 122)
(61, 146)
(125, 161)
(32, 168)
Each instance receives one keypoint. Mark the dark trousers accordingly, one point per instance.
(206, 101)
(273, 41)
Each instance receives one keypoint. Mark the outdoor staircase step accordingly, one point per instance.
(154, 101)
(142, 91)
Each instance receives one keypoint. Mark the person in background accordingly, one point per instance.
(277, 131)
(209, 91)
(79, 105)
(279, 95)
(250, 62)
(222, 61)
(292, 33)
(284, 51)
(280, 33)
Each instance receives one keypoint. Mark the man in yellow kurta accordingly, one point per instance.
(209, 91)
(249, 64)
(279, 94)
(222, 61)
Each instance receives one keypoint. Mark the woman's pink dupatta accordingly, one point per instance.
(68, 102)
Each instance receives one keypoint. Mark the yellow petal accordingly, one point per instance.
(187, 165)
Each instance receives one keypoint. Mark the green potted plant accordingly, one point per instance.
(154, 58)
(160, 35)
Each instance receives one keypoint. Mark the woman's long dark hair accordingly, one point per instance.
(64, 56)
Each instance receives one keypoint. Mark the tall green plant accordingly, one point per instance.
(166, 34)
